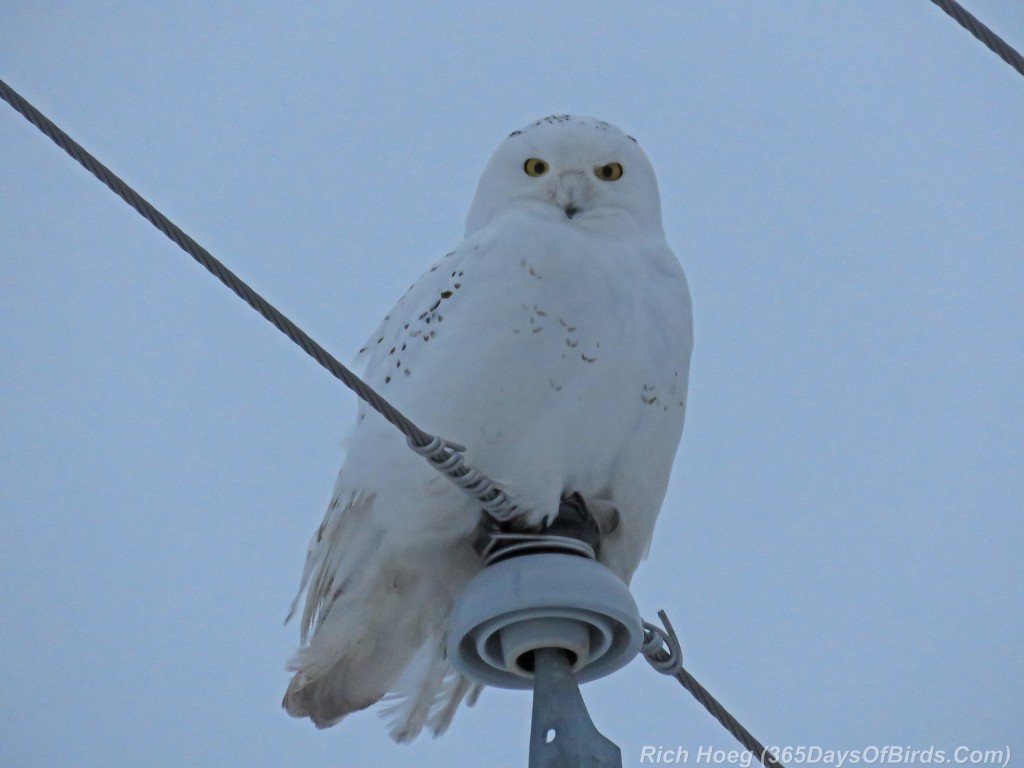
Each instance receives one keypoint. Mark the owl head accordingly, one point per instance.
(579, 171)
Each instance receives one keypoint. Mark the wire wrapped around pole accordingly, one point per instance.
(447, 458)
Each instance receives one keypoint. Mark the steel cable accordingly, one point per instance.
(446, 457)
(662, 650)
(973, 25)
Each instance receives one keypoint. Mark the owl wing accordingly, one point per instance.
(375, 592)
(407, 329)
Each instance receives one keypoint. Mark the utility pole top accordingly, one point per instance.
(544, 614)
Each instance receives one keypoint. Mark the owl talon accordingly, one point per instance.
(612, 521)
(574, 519)
(577, 518)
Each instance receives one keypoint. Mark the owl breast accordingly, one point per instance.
(535, 338)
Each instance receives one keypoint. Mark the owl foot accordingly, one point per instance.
(603, 511)
(577, 519)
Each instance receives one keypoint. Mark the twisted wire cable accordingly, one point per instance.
(441, 454)
(662, 650)
(972, 24)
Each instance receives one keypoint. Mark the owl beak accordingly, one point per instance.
(571, 191)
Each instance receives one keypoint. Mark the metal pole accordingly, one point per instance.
(562, 734)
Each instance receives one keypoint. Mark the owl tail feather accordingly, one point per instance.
(428, 694)
(386, 642)
(355, 656)
(377, 602)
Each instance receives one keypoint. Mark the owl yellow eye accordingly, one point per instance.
(608, 172)
(535, 167)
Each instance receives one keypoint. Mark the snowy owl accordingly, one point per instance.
(554, 343)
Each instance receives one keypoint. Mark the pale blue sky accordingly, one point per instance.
(840, 546)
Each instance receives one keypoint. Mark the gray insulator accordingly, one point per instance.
(516, 606)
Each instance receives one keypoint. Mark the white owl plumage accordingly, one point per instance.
(554, 342)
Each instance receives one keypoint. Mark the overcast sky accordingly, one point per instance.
(840, 548)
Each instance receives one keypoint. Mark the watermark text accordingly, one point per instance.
(889, 754)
